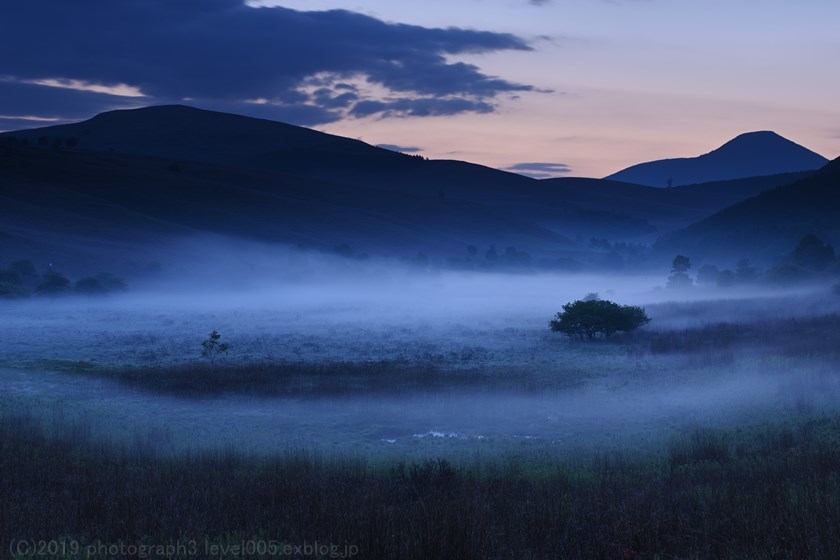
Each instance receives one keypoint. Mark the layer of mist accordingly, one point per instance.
(279, 305)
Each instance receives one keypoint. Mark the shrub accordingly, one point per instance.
(593, 318)
(212, 348)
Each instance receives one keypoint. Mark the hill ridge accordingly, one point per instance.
(751, 154)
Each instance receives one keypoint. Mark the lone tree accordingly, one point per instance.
(679, 273)
(212, 348)
(595, 318)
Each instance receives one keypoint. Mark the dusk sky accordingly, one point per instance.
(547, 87)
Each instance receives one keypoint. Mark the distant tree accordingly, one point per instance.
(708, 274)
(594, 318)
(28, 273)
(491, 254)
(680, 263)
(679, 277)
(516, 258)
(111, 282)
(9, 290)
(787, 274)
(744, 272)
(11, 276)
(592, 296)
(813, 253)
(726, 279)
(472, 250)
(90, 286)
(53, 283)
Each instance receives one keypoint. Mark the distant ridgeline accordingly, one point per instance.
(107, 191)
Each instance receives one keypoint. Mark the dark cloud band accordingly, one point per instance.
(221, 53)
(540, 170)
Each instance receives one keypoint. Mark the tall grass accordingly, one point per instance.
(768, 493)
(792, 336)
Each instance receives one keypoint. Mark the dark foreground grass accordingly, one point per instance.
(767, 493)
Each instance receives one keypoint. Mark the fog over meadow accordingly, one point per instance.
(279, 305)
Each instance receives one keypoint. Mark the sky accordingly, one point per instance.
(541, 87)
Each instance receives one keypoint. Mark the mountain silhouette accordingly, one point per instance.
(132, 178)
(259, 147)
(752, 154)
(77, 207)
(185, 133)
(766, 227)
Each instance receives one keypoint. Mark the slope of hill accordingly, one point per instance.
(141, 175)
(665, 209)
(748, 155)
(185, 133)
(180, 133)
(768, 226)
(70, 200)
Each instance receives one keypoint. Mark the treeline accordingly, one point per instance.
(21, 279)
(811, 259)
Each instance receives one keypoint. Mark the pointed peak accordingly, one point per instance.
(762, 136)
(767, 144)
(751, 154)
(759, 134)
(760, 140)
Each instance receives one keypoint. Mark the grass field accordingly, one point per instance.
(713, 433)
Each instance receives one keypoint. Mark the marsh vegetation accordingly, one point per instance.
(426, 415)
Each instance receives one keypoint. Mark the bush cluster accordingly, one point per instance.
(593, 318)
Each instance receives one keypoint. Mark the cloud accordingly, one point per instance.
(539, 170)
(223, 53)
(420, 107)
(31, 100)
(403, 149)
